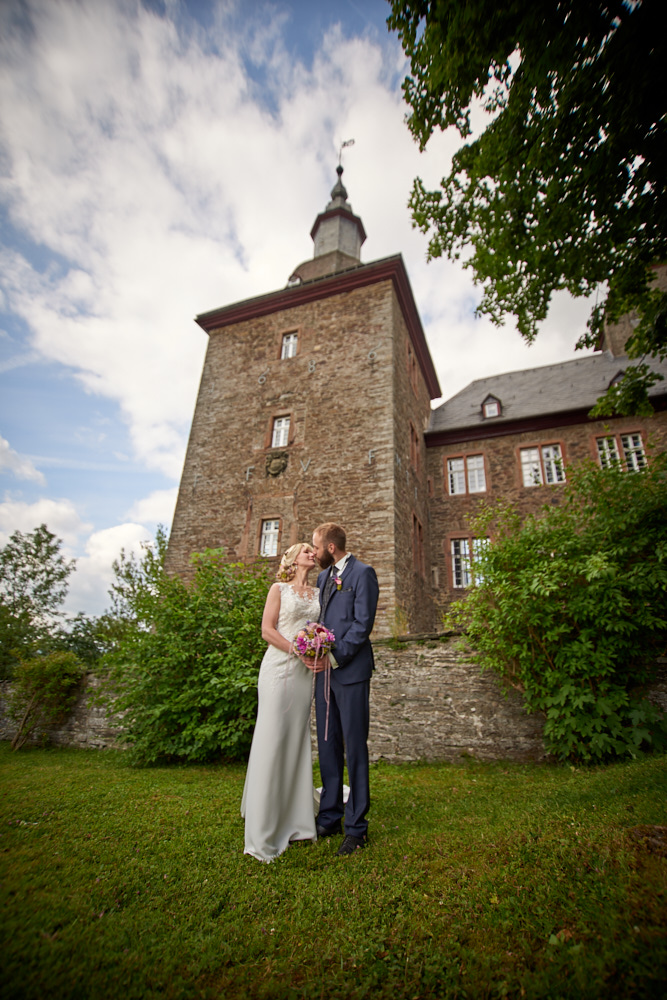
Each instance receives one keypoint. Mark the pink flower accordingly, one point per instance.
(313, 640)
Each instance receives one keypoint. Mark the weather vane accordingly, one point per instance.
(348, 142)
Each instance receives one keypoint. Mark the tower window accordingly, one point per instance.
(414, 449)
(417, 545)
(289, 345)
(412, 370)
(268, 541)
(280, 435)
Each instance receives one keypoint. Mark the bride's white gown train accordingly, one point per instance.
(278, 803)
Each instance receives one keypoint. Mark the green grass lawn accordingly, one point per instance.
(482, 880)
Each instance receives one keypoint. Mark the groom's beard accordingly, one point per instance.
(326, 560)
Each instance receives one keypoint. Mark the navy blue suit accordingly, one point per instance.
(349, 613)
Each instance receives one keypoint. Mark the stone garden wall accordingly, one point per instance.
(88, 725)
(428, 702)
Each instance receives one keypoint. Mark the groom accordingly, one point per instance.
(348, 598)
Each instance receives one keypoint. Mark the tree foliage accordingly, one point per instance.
(566, 187)
(33, 585)
(570, 608)
(185, 664)
(43, 692)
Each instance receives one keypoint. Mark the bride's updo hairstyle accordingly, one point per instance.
(287, 568)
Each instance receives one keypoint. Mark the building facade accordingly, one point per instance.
(315, 405)
(515, 436)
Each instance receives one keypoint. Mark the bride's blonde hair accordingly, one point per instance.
(287, 568)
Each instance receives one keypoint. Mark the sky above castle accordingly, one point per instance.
(161, 159)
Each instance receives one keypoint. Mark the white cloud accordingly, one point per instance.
(157, 508)
(164, 180)
(89, 585)
(60, 516)
(94, 552)
(172, 184)
(17, 464)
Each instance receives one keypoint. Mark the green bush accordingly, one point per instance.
(570, 608)
(186, 664)
(43, 692)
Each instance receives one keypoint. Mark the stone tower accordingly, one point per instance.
(312, 407)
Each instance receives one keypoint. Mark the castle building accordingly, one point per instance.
(312, 407)
(315, 405)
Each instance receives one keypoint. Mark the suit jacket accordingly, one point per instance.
(350, 613)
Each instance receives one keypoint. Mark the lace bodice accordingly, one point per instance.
(295, 610)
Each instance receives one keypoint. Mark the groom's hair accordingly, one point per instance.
(330, 532)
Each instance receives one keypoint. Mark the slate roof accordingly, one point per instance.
(537, 392)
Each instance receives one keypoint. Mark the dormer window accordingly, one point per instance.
(491, 407)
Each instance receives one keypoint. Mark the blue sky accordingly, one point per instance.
(161, 159)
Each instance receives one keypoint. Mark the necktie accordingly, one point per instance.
(328, 589)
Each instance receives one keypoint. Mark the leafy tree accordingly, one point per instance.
(187, 656)
(89, 638)
(33, 586)
(137, 589)
(566, 187)
(570, 608)
(43, 692)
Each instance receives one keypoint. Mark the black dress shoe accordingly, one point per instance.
(329, 831)
(352, 844)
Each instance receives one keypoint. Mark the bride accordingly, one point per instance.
(278, 795)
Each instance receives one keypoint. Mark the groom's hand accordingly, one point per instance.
(317, 666)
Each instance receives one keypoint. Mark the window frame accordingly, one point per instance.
(488, 401)
(415, 449)
(271, 430)
(465, 472)
(262, 535)
(541, 462)
(418, 561)
(467, 559)
(283, 339)
(412, 367)
(296, 331)
(625, 454)
(633, 451)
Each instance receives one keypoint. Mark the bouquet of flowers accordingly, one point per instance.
(313, 640)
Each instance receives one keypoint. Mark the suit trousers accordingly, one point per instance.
(347, 737)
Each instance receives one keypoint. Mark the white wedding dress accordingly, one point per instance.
(278, 803)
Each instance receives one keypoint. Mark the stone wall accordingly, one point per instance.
(414, 608)
(428, 702)
(89, 725)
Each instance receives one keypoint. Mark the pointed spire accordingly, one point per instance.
(337, 228)
(338, 193)
(337, 234)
